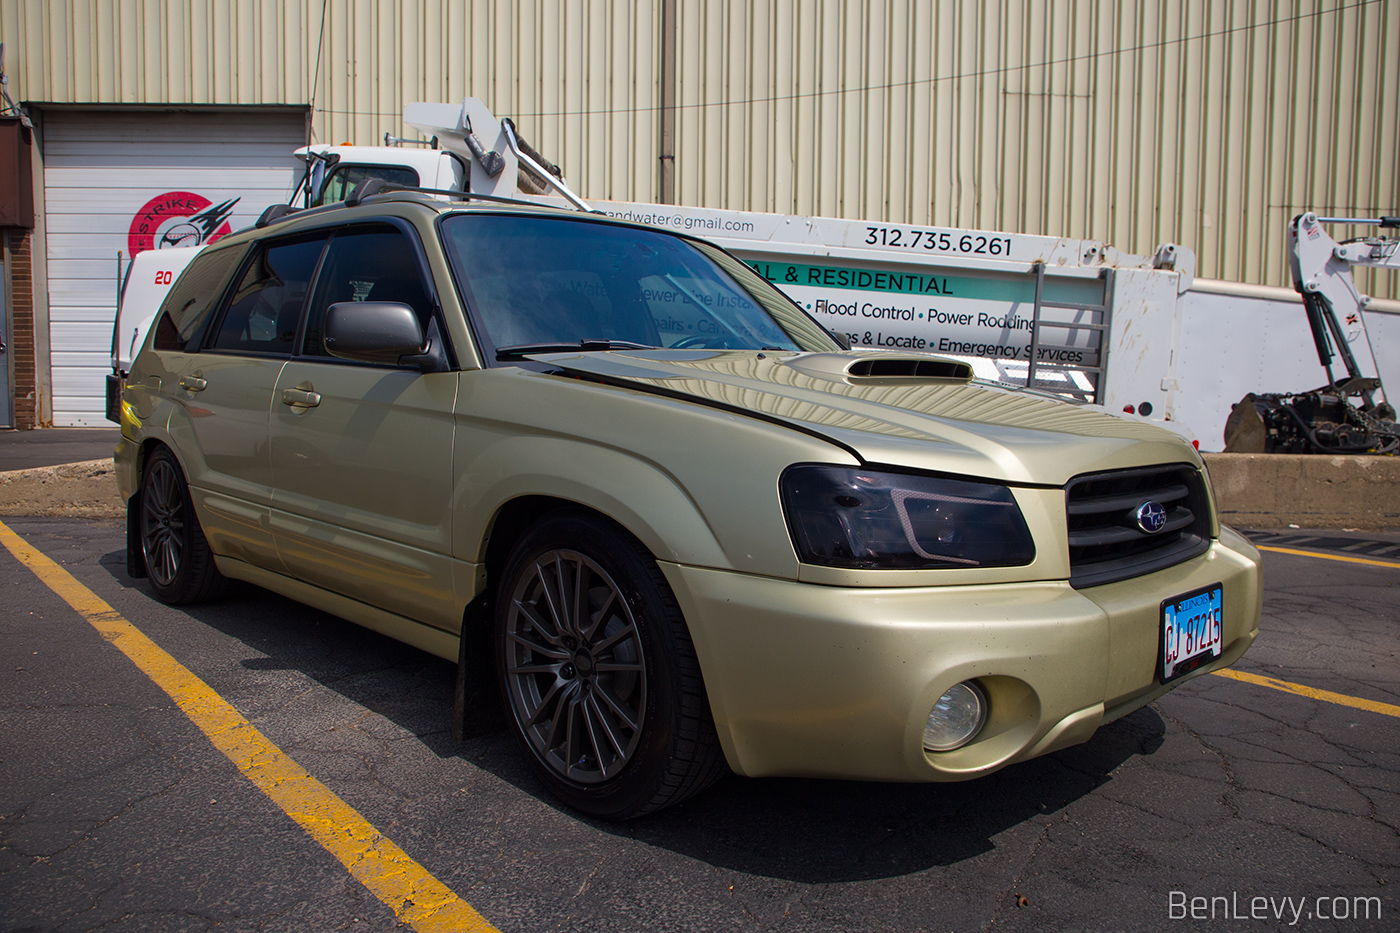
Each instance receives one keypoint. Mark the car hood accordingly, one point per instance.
(946, 424)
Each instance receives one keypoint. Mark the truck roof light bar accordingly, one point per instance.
(401, 141)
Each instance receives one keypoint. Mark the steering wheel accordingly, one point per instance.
(699, 342)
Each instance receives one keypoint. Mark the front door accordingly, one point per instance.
(361, 454)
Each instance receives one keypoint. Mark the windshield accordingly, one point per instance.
(344, 178)
(558, 282)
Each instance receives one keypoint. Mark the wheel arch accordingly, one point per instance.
(651, 503)
(143, 453)
(514, 518)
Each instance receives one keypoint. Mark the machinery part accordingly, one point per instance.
(1322, 421)
(1321, 270)
(490, 159)
(555, 179)
(1349, 415)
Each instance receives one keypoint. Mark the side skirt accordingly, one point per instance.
(434, 641)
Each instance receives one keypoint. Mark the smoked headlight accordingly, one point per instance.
(852, 517)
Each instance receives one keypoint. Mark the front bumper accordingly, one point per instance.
(827, 681)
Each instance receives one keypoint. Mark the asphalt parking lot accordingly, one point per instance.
(1230, 804)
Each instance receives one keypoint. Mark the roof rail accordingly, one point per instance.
(274, 213)
(371, 187)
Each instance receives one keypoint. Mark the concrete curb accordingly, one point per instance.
(1306, 490)
(71, 490)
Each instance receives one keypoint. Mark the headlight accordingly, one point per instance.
(850, 517)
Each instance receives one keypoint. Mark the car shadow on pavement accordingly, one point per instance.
(803, 830)
(819, 831)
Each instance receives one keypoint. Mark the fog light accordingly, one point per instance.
(956, 718)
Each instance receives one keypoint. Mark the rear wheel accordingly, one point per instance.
(598, 672)
(178, 561)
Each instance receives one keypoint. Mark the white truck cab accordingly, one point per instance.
(334, 171)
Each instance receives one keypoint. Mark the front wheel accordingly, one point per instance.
(598, 672)
(178, 561)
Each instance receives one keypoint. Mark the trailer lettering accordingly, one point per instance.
(946, 345)
(876, 281)
(946, 241)
(891, 313)
(1055, 355)
(1009, 322)
(831, 307)
(949, 317)
(896, 340)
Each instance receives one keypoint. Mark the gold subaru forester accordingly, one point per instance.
(630, 487)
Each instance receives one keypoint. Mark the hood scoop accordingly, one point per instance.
(883, 369)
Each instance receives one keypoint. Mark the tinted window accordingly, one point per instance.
(344, 178)
(534, 280)
(376, 264)
(264, 312)
(193, 296)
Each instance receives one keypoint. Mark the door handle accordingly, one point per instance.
(302, 397)
(194, 383)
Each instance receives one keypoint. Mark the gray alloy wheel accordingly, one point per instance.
(163, 522)
(575, 670)
(178, 561)
(597, 672)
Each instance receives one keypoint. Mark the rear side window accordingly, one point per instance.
(264, 312)
(187, 305)
(374, 264)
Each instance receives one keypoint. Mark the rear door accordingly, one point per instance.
(361, 455)
(226, 391)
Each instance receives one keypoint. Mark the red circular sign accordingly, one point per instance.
(178, 218)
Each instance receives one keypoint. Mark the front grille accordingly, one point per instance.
(1106, 542)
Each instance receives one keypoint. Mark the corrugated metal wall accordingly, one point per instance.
(1204, 122)
(579, 77)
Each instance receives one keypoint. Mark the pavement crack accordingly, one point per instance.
(1011, 891)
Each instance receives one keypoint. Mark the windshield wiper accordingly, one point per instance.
(520, 351)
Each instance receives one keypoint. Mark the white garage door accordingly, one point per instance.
(142, 180)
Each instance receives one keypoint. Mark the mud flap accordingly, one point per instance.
(476, 701)
(135, 561)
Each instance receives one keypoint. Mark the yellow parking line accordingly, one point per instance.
(415, 896)
(1312, 693)
(1341, 557)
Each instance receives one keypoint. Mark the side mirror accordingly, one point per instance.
(380, 332)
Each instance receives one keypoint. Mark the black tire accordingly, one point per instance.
(178, 561)
(611, 711)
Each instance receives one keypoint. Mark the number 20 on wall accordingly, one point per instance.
(164, 278)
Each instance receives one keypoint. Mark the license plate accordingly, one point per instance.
(1192, 631)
